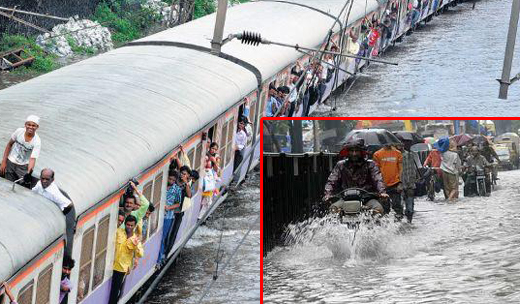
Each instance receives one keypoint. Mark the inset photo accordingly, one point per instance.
(390, 211)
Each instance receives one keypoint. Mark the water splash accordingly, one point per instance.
(370, 239)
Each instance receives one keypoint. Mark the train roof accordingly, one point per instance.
(29, 223)
(107, 118)
(275, 21)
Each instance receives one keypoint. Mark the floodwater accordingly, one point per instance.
(446, 68)
(240, 282)
(463, 252)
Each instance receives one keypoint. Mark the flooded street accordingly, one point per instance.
(446, 68)
(240, 282)
(466, 252)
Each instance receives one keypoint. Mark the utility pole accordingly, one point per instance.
(316, 135)
(505, 81)
(218, 34)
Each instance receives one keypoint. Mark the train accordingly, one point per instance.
(123, 114)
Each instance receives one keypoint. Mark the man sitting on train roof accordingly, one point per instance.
(21, 151)
(48, 188)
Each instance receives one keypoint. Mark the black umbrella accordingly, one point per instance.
(407, 135)
(374, 139)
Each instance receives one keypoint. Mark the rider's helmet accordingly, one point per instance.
(354, 149)
(474, 151)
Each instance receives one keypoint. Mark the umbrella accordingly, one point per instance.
(374, 139)
(461, 139)
(429, 140)
(480, 139)
(407, 135)
(421, 147)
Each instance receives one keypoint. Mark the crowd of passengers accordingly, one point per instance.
(18, 162)
(307, 84)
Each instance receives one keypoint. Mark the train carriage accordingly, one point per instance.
(124, 113)
(32, 242)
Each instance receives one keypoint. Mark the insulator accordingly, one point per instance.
(251, 38)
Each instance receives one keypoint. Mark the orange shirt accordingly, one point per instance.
(390, 162)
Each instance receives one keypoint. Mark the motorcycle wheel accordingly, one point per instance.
(481, 188)
(431, 191)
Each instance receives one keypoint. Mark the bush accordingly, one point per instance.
(124, 24)
(43, 62)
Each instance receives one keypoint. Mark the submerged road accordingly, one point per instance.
(465, 252)
(446, 68)
(240, 282)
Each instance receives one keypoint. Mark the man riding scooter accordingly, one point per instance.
(473, 166)
(356, 171)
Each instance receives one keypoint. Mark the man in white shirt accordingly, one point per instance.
(450, 167)
(240, 144)
(21, 151)
(48, 188)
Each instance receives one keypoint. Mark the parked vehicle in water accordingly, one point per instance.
(506, 156)
(512, 141)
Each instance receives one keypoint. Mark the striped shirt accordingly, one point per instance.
(173, 198)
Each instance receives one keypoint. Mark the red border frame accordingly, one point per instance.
(328, 118)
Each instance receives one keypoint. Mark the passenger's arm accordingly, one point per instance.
(140, 213)
(333, 182)
(6, 154)
(32, 162)
(377, 178)
(400, 163)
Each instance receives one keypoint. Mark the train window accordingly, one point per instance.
(101, 251)
(263, 99)
(198, 162)
(191, 157)
(147, 190)
(26, 294)
(252, 111)
(222, 145)
(198, 157)
(43, 289)
(211, 132)
(231, 132)
(85, 264)
(153, 221)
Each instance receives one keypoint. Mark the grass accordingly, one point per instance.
(43, 61)
(126, 23)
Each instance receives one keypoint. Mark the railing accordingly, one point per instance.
(292, 184)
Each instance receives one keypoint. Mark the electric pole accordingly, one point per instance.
(505, 81)
(218, 34)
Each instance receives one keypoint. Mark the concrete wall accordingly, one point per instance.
(61, 8)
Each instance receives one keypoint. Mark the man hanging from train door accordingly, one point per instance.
(128, 245)
(21, 151)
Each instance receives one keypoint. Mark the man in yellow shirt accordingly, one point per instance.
(128, 244)
(390, 162)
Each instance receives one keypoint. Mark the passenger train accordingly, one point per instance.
(124, 113)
